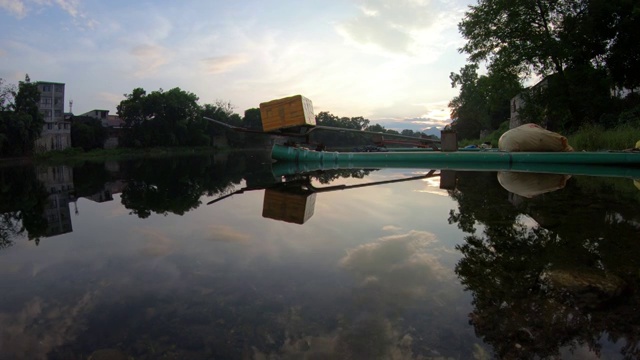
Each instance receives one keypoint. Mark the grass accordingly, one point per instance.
(595, 137)
(589, 138)
(77, 154)
(491, 138)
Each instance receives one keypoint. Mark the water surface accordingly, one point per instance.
(232, 257)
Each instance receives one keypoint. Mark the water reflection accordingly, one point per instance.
(288, 265)
(552, 272)
(529, 185)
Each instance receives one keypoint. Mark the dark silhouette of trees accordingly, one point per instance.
(88, 133)
(20, 120)
(587, 45)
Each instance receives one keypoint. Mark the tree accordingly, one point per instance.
(252, 119)
(7, 92)
(483, 102)
(88, 133)
(21, 122)
(521, 33)
(161, 118)
(554, 37)
(623, 58)
(524, 35)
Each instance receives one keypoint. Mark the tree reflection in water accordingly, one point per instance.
(563, 283)
(22, 203)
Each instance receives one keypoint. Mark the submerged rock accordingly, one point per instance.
(108, 354)
(587, 287)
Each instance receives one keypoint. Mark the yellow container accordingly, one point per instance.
(287, 112)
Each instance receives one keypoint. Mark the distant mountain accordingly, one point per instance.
(408, 124)
(432, 131)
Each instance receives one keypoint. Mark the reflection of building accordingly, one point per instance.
(105, 195)
(58, 180)
(56, 132)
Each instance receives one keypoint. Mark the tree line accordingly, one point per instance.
(585, 52)
(157, 119)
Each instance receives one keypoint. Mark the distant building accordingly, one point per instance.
(112, 122)
(98, 114)
(518, 101)
(56, 131)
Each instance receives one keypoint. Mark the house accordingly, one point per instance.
(518, 101)
(113, 123)
(114, 131)
(98, 114)
(56, 131)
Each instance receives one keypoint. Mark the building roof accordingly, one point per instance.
(114, 121)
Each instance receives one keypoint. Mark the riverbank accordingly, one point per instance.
(588, 138)
(75, 155)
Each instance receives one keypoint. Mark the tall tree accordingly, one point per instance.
(518, 32)
(548, 37)
(160, 118)
(623, 58)
(483, 102)
(22, 122)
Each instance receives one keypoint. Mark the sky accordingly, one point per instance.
(386, 60)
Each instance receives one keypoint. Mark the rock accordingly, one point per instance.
(108, 354)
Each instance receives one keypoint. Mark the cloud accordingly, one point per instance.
(370, 31)
(150, 58)
(110, 98)
(394, 26)
(70, 6)
(43, 325)
(156, 243)
(19, 8)
(398, 264)
(15, 7)
(223, 233)
(391, 228)
(222, 64)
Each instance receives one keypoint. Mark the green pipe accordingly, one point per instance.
(300, 155)
(610, 165)
(282, 168)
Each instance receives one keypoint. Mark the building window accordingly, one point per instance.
(46, 101)
(66, 126)
(47, 114)
(58, 113)
(46, 88)
(50, 126)
(57, 101)
(59, 88)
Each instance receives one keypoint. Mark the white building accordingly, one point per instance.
(56, 132)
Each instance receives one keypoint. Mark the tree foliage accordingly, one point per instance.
(483, 102)
(563, 38)
(20, 120)
(162, 118)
